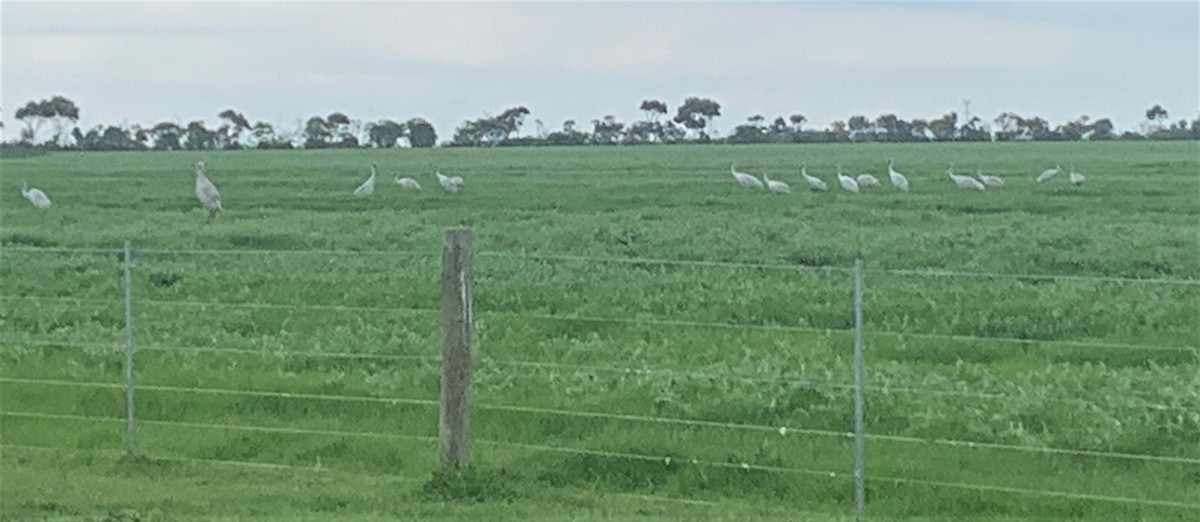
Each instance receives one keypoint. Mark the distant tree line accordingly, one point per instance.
(692, 123)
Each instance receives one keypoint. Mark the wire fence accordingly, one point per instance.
(780, 430)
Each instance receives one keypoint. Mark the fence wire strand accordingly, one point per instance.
(665, 460)
(782, 430)
(930, 272)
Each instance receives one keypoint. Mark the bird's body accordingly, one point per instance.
(867, 180)
(744, 179)
(964, 182)
(368, 186)
(777, 187)
(449, 183)
(206, 192)
(1048, 173)
(1076, 178)
(898, 179)
(814, 184)
(407, 183)
(848, 183)
(989, 181)
(35, 196)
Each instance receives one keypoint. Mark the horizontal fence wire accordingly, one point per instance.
(218, 304)
(627, 370)
(659, 261)
(830, 331)
(931, 272)
(887, 388)
(434, 251)
(781, 430)
(833, 474)
(243, 351)
(224, 391)
(231, 427)
(313, 468)
(666, 460)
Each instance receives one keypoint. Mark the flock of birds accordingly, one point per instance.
(210, 197)
(855, 184)
(448, 183)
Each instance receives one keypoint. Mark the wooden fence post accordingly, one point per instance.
(454, 426)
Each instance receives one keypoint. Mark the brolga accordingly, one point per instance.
(814, 184)
(368, 187)
(866, 180)
(1048, 173)
(35, 196)
(744, 179)
(898, 179)
(848, 183)
(964, 182)
(206, 192)
(776, 186)
(407, 183)
(449, 183)
(989, 181)
(1075, 177)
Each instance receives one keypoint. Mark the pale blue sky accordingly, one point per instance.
(142, 62)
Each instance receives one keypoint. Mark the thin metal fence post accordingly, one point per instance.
(130, 447)
(454, 426)
(860, 370)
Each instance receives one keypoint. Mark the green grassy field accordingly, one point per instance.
(594, 355)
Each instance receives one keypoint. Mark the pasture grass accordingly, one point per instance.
(631, 345)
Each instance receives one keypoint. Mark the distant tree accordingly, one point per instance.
(197, 136)
(780, 126)
(653, 109)
(167, 136)
(696, 114)
(797, 121)
(385, 133)
(420, 133)
(568, 135)
(838, 127)
(858, 123)
(1034, 128)
(1157, 115)
(946, 127)
(33, 115)
(1102, 129)
(103, 138)
(317, 133)
(511, 119)
(235, 124)
(343, 131)
(607, 131)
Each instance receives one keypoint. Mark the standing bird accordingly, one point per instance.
(847, 182)
(898, 179)
(35, 196)
(777, 187)
(964, 182)
(368, 186)
(206, 192)
(990, 181)
(744, 179)
(1075, 177)
(814, 184)
(867, 180)
(407, 183)
(450, 183)
(1049, 173)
